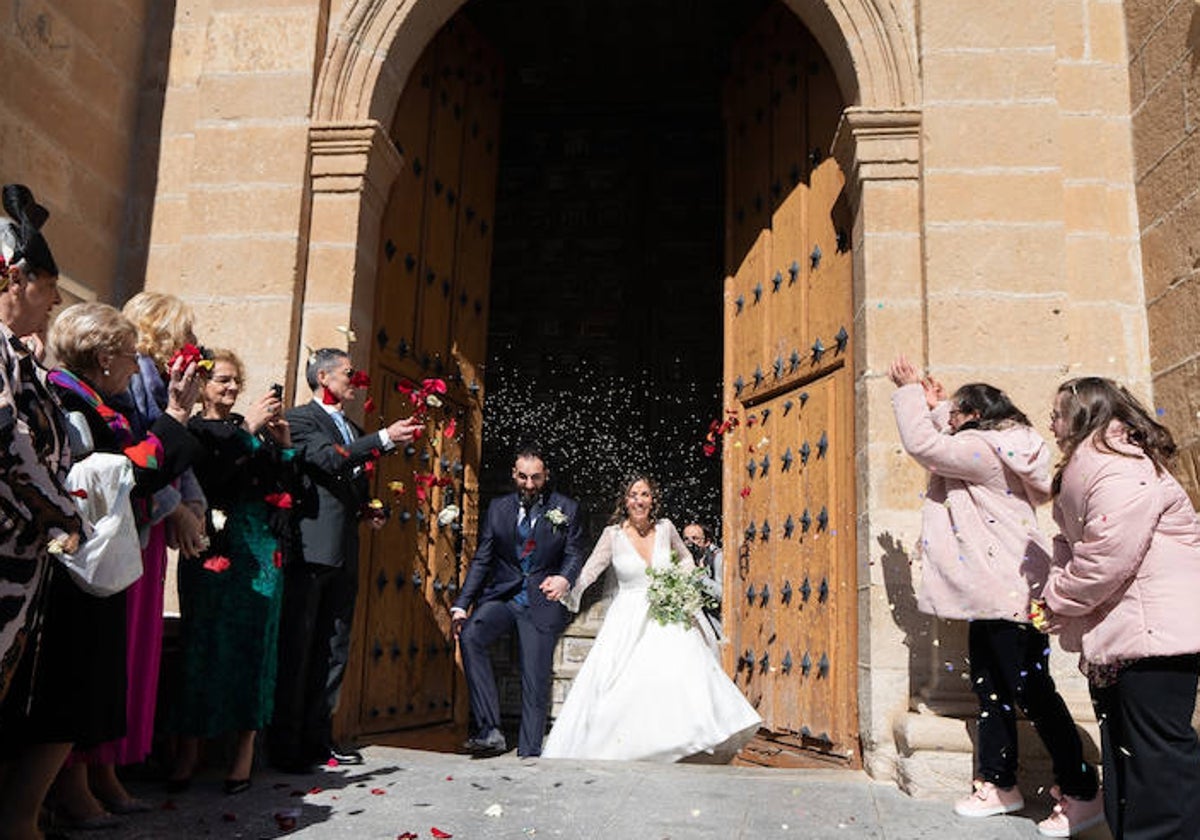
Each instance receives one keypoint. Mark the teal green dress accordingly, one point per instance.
(229, 599)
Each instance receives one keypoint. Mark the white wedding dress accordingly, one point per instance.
(647, 692)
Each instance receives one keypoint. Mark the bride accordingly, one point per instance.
(646, 691)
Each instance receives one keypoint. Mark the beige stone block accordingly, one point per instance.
(1086, 207)
(1070, 32)
(1173, 320)
(255, 96)
(987, 76)
(979, 331)
(903, 483)
(175, 164)
(23, 149)
(162, 266)
(227, 266)
(171, 222)
(1109, 340)
(963, 136)
(245, 210)
(187, 56)
(1093, 88)
(180, 112)
(1103, 268)
(335, 219)
(1095, 147)
(1170, 250)
(981, 24)
(993, 197)
(1009, 260)
(257, 329)
(1159, 124)
(330, 275)
(264, 154)
(891, 207)
(1106, 33)
(892, 267)
(251, 41)
(884, 328)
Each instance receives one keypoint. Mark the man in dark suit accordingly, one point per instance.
(321, 580)
(530, 553)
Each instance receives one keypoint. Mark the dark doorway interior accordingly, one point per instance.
(605, 337)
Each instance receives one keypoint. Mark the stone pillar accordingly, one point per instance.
(353, 166)
(879, 152)
(230, 211)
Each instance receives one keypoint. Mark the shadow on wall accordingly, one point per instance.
(897, 566)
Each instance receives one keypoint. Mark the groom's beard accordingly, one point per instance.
(529, 498)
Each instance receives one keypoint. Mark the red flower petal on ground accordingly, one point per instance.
(437, 832)
(79, 494)
(450, 428)
(369, 405)
(408, 835)
(333, 762)
(378, 791)
(283, 500)
(217, 564)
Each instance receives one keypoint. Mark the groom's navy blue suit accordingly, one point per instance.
(494, 583)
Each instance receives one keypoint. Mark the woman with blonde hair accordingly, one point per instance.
(1122, 592)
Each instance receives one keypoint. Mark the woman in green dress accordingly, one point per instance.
(230, 595)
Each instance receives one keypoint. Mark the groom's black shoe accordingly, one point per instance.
(487, 745)
(344, 755)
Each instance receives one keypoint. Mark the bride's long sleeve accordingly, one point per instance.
(680, 548)
(597, 563)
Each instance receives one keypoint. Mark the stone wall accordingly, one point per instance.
(1164, 81)
(74, 84)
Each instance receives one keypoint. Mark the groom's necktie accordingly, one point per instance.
(524, 550)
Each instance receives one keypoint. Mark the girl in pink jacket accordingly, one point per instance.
(983, 558)
(1123, 591)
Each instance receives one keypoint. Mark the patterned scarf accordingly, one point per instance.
(146, 453)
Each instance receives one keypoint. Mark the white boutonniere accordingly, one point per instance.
(556, 518)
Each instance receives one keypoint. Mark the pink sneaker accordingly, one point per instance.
(1071, 816)
(987, 800)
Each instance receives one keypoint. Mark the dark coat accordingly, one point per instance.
(495, 571)
(336, 489)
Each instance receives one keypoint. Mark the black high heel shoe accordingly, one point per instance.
(236, 786)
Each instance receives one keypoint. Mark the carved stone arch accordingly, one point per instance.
(377, 42)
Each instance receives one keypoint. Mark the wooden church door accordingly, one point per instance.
(430, 323)
(789, 494)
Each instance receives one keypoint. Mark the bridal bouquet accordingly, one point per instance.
(676, 594)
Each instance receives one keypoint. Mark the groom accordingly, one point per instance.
(530, 553)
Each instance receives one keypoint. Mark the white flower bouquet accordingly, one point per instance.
(677, 594)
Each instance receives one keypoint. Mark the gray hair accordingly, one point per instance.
(323, 361)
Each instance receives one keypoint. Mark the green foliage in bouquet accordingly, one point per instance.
(676, 594)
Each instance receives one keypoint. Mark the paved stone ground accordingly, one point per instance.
(400, 790)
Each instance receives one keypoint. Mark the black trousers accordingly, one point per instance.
(1010, 670)
(1151, 753)
(314, 644)
(487, 623)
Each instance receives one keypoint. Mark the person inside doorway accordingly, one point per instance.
(707, 555)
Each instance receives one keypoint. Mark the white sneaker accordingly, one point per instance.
(1071, 816)
(987, 800)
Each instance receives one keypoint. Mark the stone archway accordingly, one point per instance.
(872, 51)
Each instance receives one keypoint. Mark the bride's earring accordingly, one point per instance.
(106, 372)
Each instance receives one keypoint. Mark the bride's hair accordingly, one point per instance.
(619, 513)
